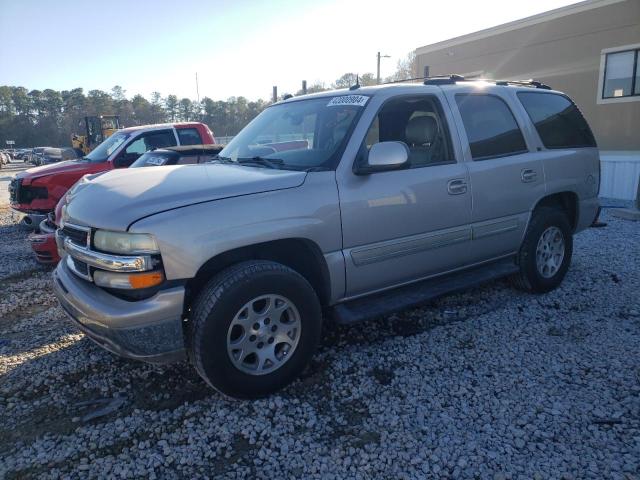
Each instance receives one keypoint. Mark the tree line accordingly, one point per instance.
(49, 117)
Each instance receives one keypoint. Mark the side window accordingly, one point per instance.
(557, 120)
(490, 125)
(419, 123)
(189, 136)
(151, 141)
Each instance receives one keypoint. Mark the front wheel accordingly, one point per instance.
(545, 254)
(254, 328)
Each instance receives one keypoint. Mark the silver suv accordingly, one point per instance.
(346, 204)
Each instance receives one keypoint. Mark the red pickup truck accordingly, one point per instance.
(36, 191)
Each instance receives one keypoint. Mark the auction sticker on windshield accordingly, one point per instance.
(357, 100)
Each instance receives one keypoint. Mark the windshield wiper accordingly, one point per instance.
(262, 161)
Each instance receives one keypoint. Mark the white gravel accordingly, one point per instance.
(492, 383)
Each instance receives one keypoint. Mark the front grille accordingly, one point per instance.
(80, 267)
(77, 236)
(19, 193)
(14, 189)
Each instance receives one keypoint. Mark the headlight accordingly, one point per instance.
(123, 242)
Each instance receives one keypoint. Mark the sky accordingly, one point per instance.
(238, 47)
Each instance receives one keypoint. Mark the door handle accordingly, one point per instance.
(457, 186)
(528, 175)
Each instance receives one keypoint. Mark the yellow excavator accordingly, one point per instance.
(97, 128)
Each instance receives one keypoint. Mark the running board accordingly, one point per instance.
(401, 298)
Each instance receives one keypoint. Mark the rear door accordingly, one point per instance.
(507, 177)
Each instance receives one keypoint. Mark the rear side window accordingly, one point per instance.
(189, 136)
(490, 125)
(558, 121)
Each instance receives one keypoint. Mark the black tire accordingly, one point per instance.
(216, 306)
(529, 278)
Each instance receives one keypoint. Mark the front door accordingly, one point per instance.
(399, 226)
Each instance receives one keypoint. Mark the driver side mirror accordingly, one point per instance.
(385, 156)
(126, 159)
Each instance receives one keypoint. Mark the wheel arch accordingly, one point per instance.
(566, 201)
(300, 254)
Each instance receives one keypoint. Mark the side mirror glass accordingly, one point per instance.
(385, 156)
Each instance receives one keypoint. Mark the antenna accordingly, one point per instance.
(357, 85)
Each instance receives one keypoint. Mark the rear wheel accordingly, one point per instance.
(545, 254)
(254, 328)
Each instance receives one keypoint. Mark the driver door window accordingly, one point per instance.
(144, 143)
(417, 122)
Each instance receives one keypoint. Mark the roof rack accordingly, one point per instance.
(522, 83)
(443, 80)
(451, 79)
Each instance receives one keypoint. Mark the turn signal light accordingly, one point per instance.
(146, 280)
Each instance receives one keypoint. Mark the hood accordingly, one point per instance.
(116, 199)
(53, 168)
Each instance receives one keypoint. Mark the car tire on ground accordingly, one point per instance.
(253, 328)
(545, 253)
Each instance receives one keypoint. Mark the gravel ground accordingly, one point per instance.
(492, 383)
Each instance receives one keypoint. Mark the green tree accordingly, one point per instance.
(158, 113)
(142, 110)
(171, 104)
(345, 81)
(118, 93)
(185, 110)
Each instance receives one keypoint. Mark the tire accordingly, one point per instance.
(215, 325)
(533, 277)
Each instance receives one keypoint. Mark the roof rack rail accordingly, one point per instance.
(523, 83)
(444, 80)
(452, 79)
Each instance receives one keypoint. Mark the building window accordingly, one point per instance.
(621, 75)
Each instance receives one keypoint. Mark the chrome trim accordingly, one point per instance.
(104, 261)
(69, 261)
(87, 230)
(409, 245)
(495, 228)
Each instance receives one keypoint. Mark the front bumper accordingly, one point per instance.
(149, 330)
(45, 248)
(26, 218)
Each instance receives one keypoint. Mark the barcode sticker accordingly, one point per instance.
(357, 100)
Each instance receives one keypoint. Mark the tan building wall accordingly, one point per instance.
(562, 48)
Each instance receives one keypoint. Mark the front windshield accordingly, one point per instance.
(103, 151)
(300, 135)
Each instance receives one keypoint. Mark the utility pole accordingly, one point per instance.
(378, 70)
(304, 87)
(275, 94)
(197, 88)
